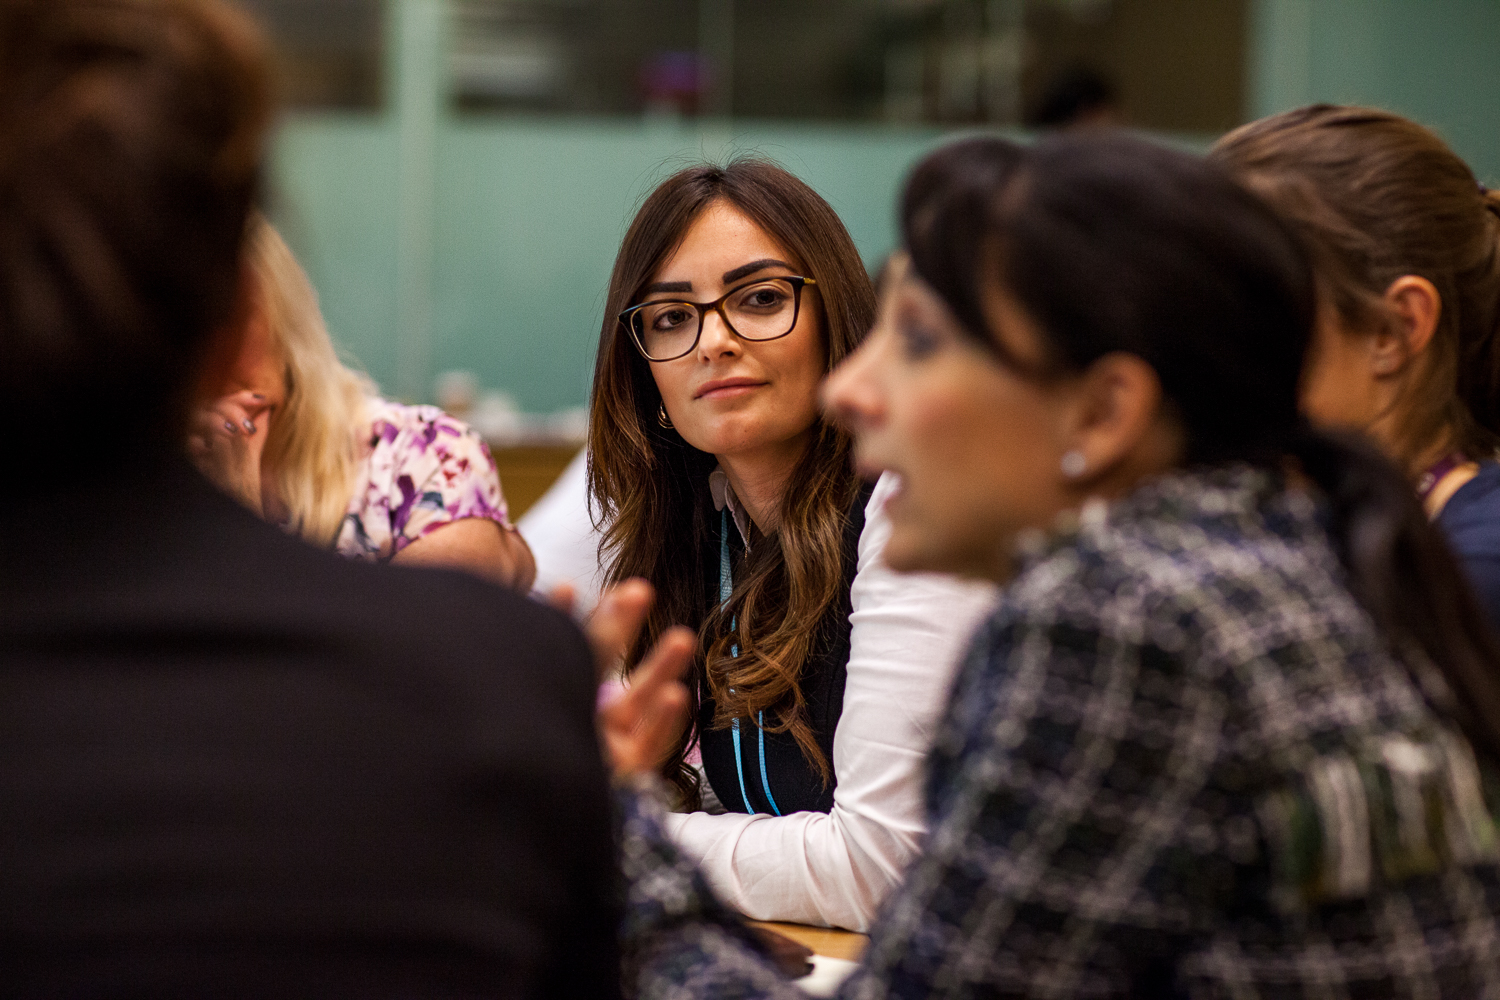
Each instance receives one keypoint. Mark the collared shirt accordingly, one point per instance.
(722, 491)
(1178, 761)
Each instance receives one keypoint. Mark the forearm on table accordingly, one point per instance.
(831, 869)
(479, 545)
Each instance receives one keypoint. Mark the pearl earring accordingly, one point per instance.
(1074, 464)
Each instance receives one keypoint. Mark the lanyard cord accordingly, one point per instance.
(726, 587)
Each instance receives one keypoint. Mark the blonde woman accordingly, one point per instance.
(306, 443)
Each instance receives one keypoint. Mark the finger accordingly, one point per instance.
(227, 419)
(660, 671)
(235, 414)
(659, 728)
(206, 424)
(255, 407)
(640, 727)
(661, 714)
(665, 663)
(253, 403)
(616, 622)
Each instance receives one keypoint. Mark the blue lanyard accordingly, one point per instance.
(726, 587)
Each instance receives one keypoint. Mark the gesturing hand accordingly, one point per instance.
(638, 728)
(226, 440)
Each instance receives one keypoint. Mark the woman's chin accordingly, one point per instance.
(910, 550)
(905, 553)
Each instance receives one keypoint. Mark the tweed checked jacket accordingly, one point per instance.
(1179, 761)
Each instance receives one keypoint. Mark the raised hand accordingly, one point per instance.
(226, 440)
(638, 728)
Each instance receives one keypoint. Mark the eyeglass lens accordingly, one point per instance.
(762, 311)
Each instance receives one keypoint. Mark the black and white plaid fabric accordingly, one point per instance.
(1178, 762)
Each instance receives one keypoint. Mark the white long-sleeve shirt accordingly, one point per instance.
(907, 632)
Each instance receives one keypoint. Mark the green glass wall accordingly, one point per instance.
(485, 243)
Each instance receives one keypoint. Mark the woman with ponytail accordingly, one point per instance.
(1231, 729)
(1406, 245)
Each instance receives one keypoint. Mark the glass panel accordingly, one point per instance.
(583, 56)
(1165, 64)
(328, 52)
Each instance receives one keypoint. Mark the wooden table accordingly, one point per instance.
(529, 470)
(821, 940)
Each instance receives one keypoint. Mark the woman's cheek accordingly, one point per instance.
(937, 435)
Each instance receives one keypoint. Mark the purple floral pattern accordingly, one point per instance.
(422, 469)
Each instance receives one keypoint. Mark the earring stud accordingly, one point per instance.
(1074, 464)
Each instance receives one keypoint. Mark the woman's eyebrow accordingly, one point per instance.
(667, 286)
(755, 265)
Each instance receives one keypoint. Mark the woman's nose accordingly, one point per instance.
(716, 339)
(851, 394)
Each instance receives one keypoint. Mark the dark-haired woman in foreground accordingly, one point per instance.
(1211, 743)
(1406, 348)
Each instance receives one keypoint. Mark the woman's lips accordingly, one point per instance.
(728, 388)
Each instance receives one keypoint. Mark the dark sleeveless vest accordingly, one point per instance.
(795, 784)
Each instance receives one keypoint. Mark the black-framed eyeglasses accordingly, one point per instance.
(763, 309)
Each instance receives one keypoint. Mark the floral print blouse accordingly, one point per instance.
(422, 469)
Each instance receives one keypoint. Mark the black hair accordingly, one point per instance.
(950, 190)
(1112, 244)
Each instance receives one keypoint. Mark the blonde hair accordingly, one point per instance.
(313, 447)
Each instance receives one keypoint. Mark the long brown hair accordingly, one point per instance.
(132, 134)
(1378, 196)
(649, 488)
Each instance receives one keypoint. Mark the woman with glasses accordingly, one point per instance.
(818, 674)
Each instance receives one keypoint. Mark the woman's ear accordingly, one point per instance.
(1118, 427)
(1414, 306)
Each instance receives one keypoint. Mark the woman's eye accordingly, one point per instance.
(762, 298)
(669, 319)
(917, 342)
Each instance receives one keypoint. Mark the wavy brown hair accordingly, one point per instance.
(649, 488)
(1378, 196)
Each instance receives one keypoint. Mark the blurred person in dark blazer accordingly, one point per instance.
(231, 765)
